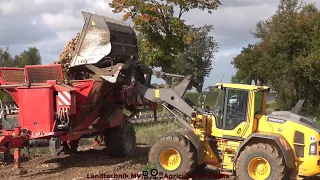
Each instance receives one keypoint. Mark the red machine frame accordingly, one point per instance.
(43, 97)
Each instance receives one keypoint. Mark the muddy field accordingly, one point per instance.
(84, 165)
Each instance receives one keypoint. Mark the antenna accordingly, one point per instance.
(222, 77)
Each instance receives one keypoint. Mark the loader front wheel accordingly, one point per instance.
(261, 161)
(173, 155)
(122, 141)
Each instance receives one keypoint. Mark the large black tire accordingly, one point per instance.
(269, 153)
(201, 167)
(178, 144)
(106, 138)
(122, 141)
(4, 156)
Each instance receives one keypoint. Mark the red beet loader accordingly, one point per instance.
(56, 110)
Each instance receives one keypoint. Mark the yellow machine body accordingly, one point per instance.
(296, 137)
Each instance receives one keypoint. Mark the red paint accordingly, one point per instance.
(39, 105)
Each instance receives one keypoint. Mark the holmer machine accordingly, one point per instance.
(56, 112)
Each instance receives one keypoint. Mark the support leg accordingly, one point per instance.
(155, 115)
(17, 157)
(17, 151)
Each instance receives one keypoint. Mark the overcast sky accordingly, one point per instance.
(50, 24)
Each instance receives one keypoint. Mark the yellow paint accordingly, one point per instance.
(170, 159)
(157, 93)
(259, 168)
(93, 23)
(209, 156)
(307, 165)
(242, 86)
(227, 161)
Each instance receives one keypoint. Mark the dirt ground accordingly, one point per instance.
(83, 165)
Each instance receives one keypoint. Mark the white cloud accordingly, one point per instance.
(62, 21)
(30, 7)
(50, 24)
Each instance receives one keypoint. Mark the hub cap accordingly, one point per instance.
(170, 159)
(259, 168)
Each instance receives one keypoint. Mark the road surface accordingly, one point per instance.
(271, 97)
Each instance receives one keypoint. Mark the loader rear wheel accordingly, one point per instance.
(4, 156)
(173, 155)
(261, 161)
(122, 141)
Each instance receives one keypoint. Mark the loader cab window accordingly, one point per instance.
(258, 99)
(235, 108)
(219, 108)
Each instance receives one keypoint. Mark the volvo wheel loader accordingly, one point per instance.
(237, 137)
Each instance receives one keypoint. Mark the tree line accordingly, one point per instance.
(31, 56)
(287, 55)
(165, 39)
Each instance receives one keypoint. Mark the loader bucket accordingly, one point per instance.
(104, 37)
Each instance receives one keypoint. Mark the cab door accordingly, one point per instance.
(235, 117)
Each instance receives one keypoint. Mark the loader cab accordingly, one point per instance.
(236, 108)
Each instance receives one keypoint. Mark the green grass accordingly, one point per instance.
(209, 101)
(271, 107)
(148, 132)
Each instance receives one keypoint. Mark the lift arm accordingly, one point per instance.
(171, 99)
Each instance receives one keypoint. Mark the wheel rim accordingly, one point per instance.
(170, 159)
(259, 168)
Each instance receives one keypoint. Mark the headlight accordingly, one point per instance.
(313, 149)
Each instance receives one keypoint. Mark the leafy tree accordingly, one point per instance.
(28, 57)
(197, 58)
(287, 55)
(164, 33)
(5, 58)
(250, 65)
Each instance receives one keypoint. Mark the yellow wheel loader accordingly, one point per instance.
(237, 137)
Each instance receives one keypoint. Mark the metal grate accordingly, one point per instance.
(41, 74)
(13, 75)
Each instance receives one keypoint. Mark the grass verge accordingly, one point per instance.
(271, 107)
(148, 132)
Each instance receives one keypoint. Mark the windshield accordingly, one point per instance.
(234, 97)
(218, 108)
